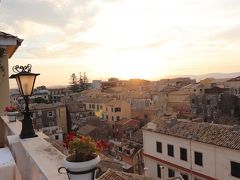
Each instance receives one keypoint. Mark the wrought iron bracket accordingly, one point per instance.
(18, 69)
(93, 170)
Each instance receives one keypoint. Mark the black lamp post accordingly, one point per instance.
(25, 80)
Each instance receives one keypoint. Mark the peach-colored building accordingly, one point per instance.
(116, 110)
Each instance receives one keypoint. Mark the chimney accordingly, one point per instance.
(151, 126)
(236, 128)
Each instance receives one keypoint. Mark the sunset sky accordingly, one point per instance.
(123, 38)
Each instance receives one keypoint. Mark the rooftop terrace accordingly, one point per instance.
(35, 158)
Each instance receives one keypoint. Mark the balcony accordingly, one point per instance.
(35, 158)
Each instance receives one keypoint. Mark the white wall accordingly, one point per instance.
(216, 160)
(223, 159)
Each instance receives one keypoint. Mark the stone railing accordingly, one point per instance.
(35, 157)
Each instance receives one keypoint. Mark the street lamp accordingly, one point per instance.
(25, 81)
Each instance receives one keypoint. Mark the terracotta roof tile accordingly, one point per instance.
(216, 134)
(117, 175)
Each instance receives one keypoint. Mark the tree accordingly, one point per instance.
(74, 87)
(78, 84)
(83, 82)
(40, 100)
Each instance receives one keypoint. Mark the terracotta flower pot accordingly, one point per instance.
(86, 167)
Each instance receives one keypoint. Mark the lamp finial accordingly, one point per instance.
(18, 69)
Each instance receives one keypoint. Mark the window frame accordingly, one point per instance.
(56, 137)
(171, 173)
(159, 147)
(185, 176)
(170, 150)
(159, 171)
(50, 112)
(235, 173)
(197, 159)
(185, 157)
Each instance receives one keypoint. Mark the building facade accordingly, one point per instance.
(8, 46)
(49, 115)
(191, 150)
(116, 110)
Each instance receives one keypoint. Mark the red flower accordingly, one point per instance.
(101, 145)
(10, 108)
(70, 137)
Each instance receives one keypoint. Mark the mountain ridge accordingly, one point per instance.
(208, 75)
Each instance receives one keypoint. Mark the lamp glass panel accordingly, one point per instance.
(19, 85)
(27, 83)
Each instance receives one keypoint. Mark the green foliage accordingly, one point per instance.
(40, 100)
(77, 84)
(73, 83)
(83, 148)
(2, 52)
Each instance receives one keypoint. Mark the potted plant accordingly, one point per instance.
(11, 113)
(83, 156)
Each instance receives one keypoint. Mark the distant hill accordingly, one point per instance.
(57, 86)
(209, 75)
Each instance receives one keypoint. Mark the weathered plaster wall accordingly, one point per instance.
(4, 84)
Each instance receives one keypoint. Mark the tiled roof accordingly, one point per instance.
(137, 136)
(234, 79)
(117, 175)
(115, 102)
(6, 35)
(216, 134)
(9, 36)
(114, 90)
(86, 130)
(193, 85)
(100, 100)
(169, 89)
(37, 106)
(125, 121)
(10, 48)
(109, 162)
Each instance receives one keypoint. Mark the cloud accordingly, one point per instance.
(230, 35)
(37, 11)
(206, 44)
(157, 44)
(49, 28)
(50, 13)
(69, 50)
(150, 45)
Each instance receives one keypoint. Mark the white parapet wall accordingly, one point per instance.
(35, 157)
